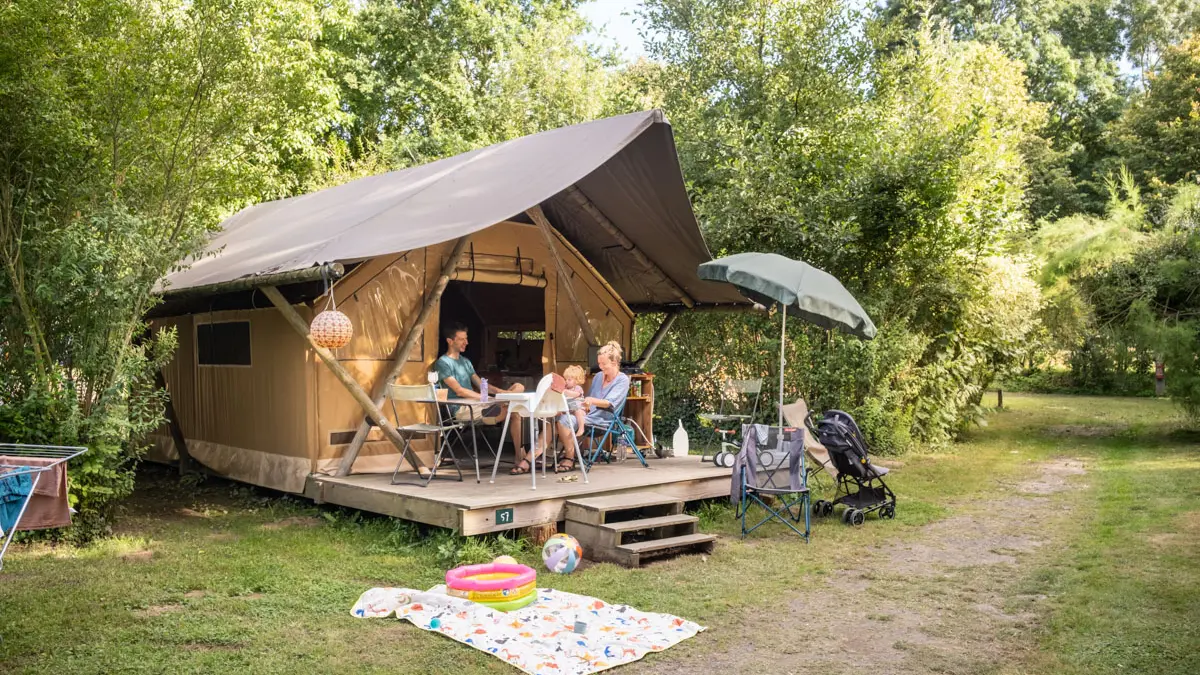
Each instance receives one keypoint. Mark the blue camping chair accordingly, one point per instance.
(616, 431)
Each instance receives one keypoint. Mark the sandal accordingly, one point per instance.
(565, 465)
(524, 466)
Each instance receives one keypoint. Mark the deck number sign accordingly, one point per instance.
(504, 516)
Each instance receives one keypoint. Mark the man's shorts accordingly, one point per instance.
(488, 415)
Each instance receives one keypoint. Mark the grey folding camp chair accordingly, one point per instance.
(441, 430)
(739, 405)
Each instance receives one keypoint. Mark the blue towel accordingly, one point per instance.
(14, 491)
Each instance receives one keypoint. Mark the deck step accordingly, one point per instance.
(650, 523)
(633, 528)
(623, 506)
(645, 551)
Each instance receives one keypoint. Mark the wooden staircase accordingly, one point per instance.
(634, 528)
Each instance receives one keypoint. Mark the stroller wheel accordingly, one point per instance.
(818, 507)
(888, 511)
(857, 517)
(828, 509)
(846, 515)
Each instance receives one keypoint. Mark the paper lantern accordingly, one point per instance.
(331, 329)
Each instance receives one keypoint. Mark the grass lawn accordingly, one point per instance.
(1095, 568)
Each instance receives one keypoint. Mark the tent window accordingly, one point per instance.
(223, 344)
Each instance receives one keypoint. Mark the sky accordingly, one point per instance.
(615, 18)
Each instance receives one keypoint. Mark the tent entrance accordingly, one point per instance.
(506, 328)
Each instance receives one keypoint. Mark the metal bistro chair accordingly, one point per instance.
(442, 429)
(737, 396)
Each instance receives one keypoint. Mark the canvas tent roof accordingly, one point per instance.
(626, 166)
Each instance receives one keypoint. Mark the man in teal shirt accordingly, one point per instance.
(457, 375)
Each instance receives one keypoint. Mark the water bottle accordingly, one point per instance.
(483, 390)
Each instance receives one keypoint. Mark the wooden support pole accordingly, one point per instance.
(185, 458)
(332, 271)
(580, 199)
(404, 346)
(340, 373)
(659, 334)
(564, 274)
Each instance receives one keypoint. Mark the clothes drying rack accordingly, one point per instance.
(52, 455)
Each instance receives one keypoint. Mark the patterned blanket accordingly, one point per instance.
(540, 638)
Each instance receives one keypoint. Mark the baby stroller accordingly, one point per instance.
(860, 485)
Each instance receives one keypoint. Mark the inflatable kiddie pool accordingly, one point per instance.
(500, 586)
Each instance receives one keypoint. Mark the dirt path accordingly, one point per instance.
(945, 601)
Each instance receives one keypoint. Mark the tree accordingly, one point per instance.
(1159, 136)
(130, 129)
(808, 130)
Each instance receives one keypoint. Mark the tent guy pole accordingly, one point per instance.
(404, 346)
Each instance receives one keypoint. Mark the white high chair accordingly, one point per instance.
(542, 406)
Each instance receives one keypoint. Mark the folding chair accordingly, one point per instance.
(442, 429)
(737, 396)
(749, 491)
(797, 415)
(618, 430)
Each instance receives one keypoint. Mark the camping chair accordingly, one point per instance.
(618, 431)
(797, 415)
(737, 396)
(442, 429)
(784, 504)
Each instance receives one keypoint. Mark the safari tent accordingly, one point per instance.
(543, 246)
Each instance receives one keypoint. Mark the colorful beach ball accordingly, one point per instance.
(562, 553)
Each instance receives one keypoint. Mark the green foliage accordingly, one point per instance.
(1123, 295)
(131, 128)
(426, 80)
(1159, 136)
(896, 170)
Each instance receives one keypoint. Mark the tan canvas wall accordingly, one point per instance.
(285, 415)
(384, 294)
(250, 423)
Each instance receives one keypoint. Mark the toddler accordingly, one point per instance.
(574, 392)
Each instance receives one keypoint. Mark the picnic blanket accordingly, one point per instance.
(540, 638)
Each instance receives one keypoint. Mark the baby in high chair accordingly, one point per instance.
(574, 393)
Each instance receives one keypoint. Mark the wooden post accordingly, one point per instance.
(340, 373)
(185, 458)
(580, 199)
(404, 346)
(999, 398)
(564, 276)
(659, 334)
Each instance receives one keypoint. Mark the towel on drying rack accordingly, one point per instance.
(48, 507)
(14, 489)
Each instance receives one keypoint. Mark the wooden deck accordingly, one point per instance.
(477, 508)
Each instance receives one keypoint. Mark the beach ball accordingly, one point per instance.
(562, 553)
(331, 329)
(505, 560)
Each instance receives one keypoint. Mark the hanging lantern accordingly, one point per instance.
(331, 329)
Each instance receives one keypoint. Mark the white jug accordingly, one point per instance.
(680, 441)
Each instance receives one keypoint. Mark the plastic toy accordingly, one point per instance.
(499, 585)
(562, 553)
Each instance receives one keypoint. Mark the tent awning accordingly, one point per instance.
(626, 167)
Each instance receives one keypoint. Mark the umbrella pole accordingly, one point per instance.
(782, 363)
